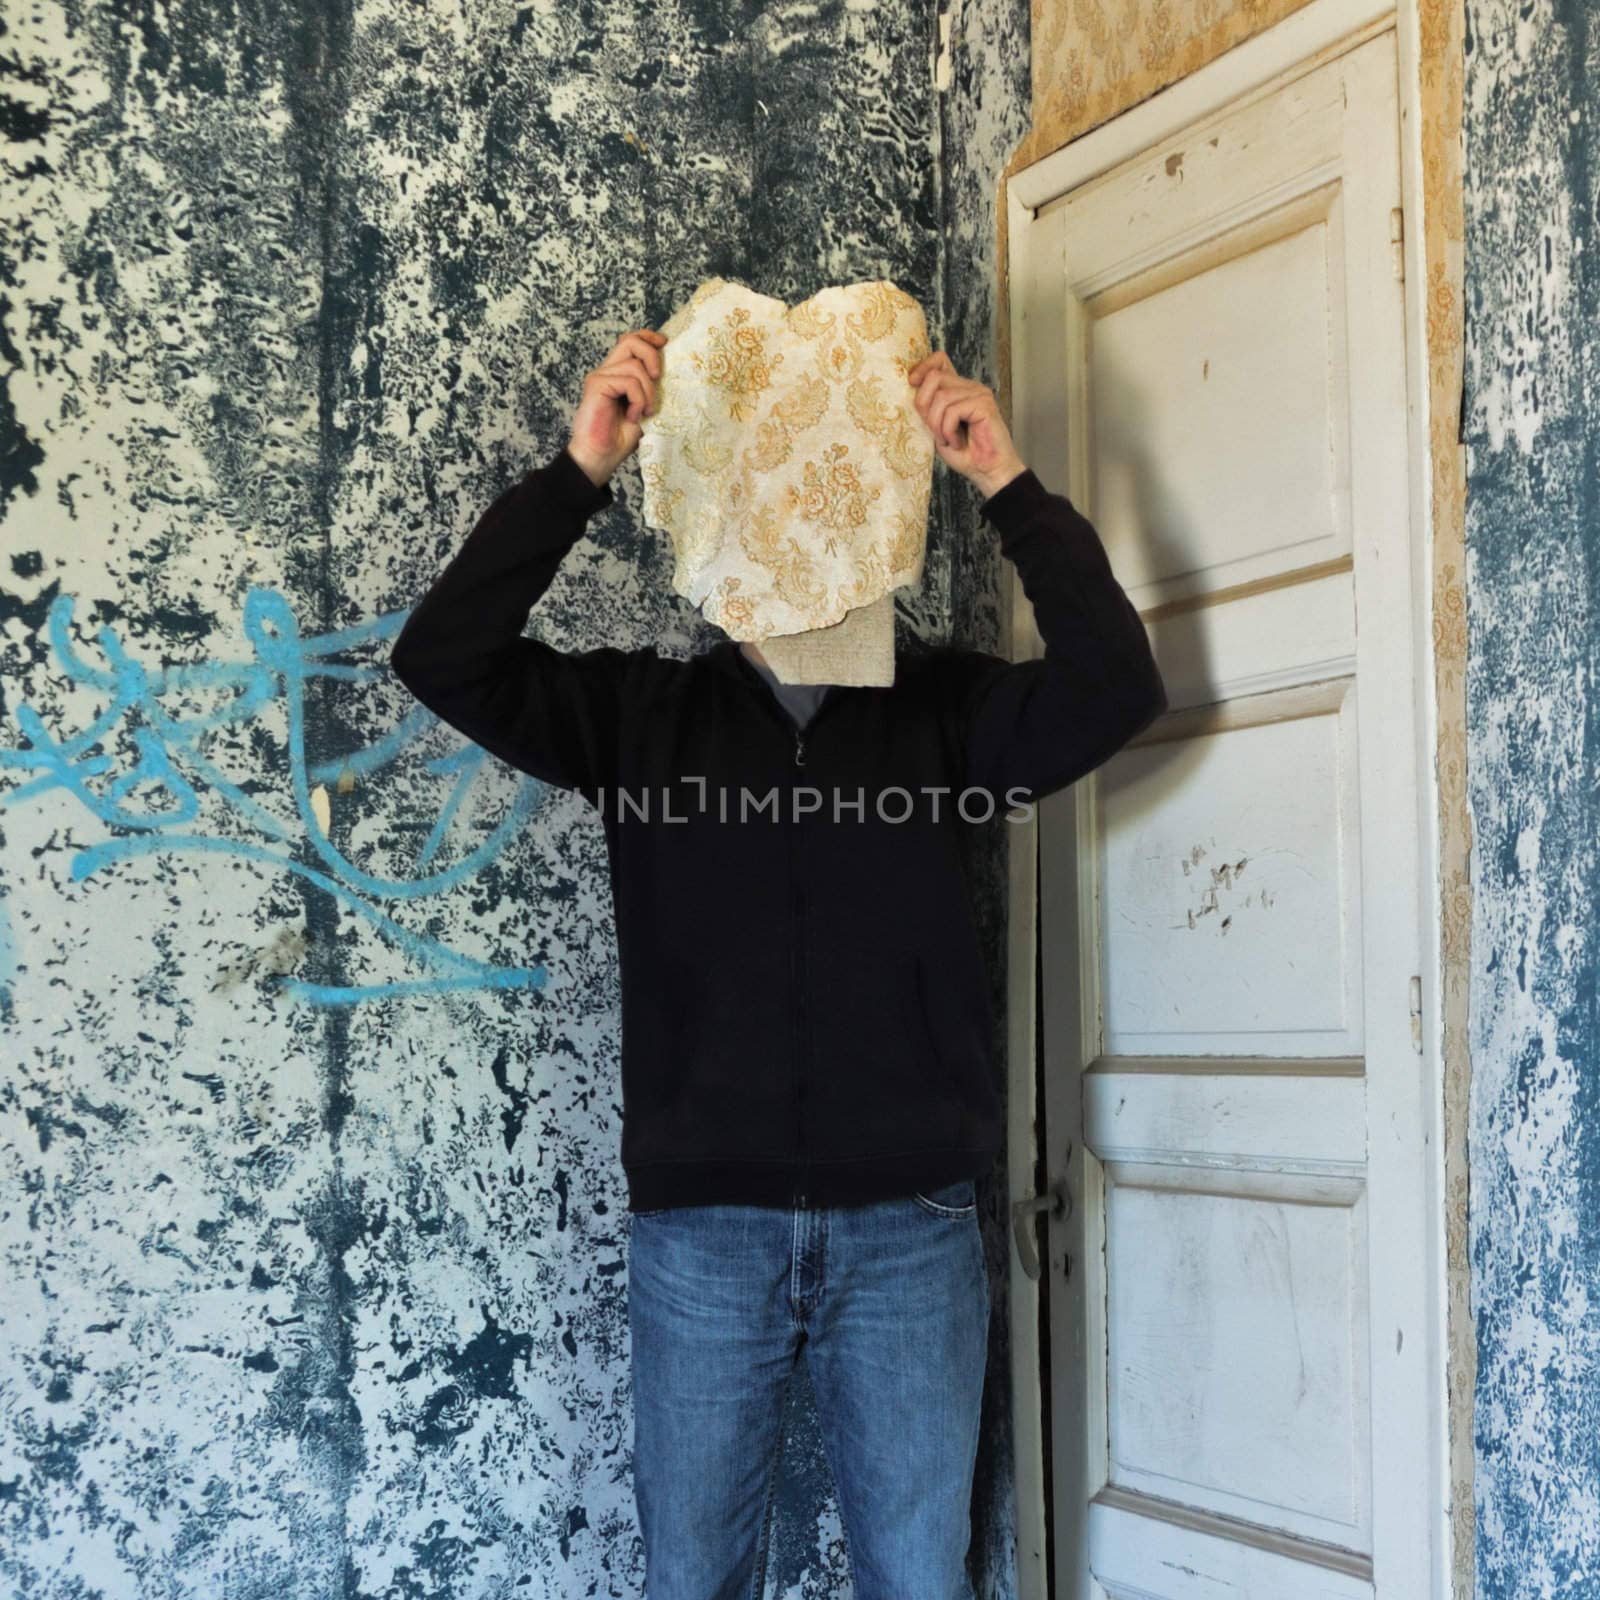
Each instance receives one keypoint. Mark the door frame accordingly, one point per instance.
(1301, 42)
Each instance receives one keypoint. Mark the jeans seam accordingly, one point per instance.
(796, 1311)
(849, 1549)
(759, 1575)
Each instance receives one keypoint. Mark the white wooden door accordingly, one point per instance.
(1229, 915)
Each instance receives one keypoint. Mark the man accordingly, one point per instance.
(809, 1094)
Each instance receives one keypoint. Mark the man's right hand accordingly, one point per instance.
(616, 395)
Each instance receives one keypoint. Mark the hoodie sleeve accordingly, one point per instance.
(551, 713)
(1039, 725)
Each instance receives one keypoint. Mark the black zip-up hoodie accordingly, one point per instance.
(805, 1013)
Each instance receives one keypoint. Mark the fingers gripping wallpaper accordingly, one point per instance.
(313, 1225)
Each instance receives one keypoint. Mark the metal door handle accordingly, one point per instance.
(1057, 1200)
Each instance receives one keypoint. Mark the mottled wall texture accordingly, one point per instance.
(1532, 424)
(313, 1224)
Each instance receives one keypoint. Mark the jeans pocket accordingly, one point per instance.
(958, 1199)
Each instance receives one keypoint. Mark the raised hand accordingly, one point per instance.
(616, 395)
(964, 418)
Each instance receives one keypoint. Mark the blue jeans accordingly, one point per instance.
(889, 1303)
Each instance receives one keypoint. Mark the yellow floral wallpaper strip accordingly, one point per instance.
(1441, 51)
(1093, 59)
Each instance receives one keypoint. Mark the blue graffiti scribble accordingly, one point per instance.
(170, 757)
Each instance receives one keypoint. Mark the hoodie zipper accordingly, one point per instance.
(797, 970)
(798, 966)
(798, 979)
(797, 884)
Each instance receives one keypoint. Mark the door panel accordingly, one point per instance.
(1223, 904)
(1253, 946)
(1175, 361)
(1235, 1309)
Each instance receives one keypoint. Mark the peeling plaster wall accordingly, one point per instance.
(312, 1217)
(1532, 425)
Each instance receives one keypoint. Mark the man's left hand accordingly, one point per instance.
(964, 418)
